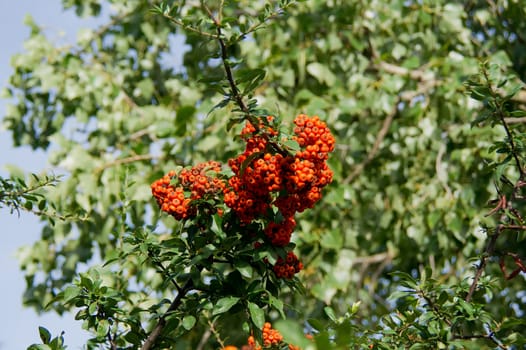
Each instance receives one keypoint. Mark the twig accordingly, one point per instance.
(111, 340)
(190, 28)
(164, 271)
(415, 74)
(514, 227)
(152, 338)
(228, 70)
(434, 307)
(441, 172)
(502, 118)
(216, 334)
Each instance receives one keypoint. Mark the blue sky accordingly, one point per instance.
(19, 326)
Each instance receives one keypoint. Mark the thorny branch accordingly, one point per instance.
(236, 95)
(152, 338)
(501, 116)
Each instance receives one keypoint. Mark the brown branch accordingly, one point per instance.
(228, 69)
(415, 74)
(204, 339)
(216, 334)
(512, 144)
(372, 259)
(480, 268)
(515, 120)
(152, 338)
(139, 157)
(420, 74)
(376, 146)
(519, 97)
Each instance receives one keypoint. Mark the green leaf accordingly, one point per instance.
(332, 240)
(224, 304)
(256, 315)
(244, 268)
(292, 145)
(189, 322)
(254, 80)
(330, 313)
(70, 293)
(405, 279)
(219, 105)
(277, 304)
(45, 335)
(293, 333)
(518, 113)
(103, 326)
(480, 93)
(322, 73)
(39, 347)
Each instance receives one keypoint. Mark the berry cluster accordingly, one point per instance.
(279, 233)
(272, 338)
(288, 267)
(257, 175)
(266, 176)
(201, 182)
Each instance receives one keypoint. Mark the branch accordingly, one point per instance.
(514, 227)
(515, 120)
(152, 338)
(490, 336)
(376, 146)
(372, 259)
(216, 334)
(480, 268)
(136, 158)
(420, 74)
(416, 74)
(228, 69)
(190, 28)
(435, 308)
(502, 118)
(204, 339)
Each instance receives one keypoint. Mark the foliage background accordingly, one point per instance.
(18, 332)
(411, 174)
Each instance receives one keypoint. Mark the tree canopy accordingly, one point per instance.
(417, 242)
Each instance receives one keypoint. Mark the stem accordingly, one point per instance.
(502, 119)
(230, 76)
(152, 338)
(434, 308)
(487, 252)
(512, 144)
